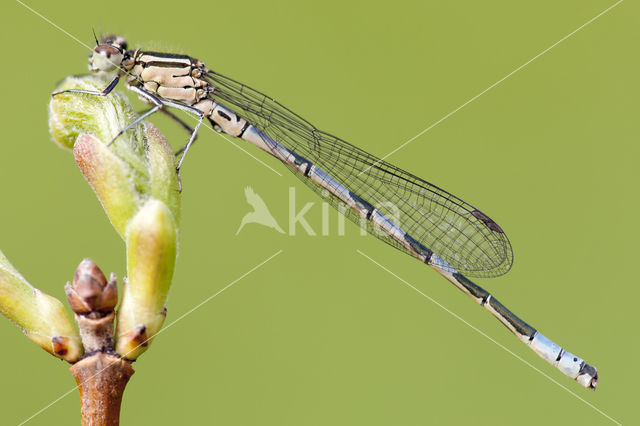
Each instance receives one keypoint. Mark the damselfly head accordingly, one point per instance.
(108, 54)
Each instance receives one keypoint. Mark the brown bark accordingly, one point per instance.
(101, 379)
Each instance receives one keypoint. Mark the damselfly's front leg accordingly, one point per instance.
(104, 91)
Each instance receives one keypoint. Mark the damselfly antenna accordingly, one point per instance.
(95, 37)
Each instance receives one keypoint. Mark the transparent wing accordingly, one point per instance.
(453, 229)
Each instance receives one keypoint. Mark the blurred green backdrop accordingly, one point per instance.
(320, 335)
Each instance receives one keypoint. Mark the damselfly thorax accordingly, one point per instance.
(179, 78)
(174, 77)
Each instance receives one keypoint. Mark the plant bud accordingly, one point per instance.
(42, 317)
(151, 255)
(90, 291)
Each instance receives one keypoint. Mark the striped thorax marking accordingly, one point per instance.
(172, 77)
(179, 78)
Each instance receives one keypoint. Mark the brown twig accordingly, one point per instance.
(101, 375)
(101, 380)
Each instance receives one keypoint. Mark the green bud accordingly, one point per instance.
(109, 177)
(151, 254)
(42, 317)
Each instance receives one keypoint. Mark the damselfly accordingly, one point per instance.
(410, 214)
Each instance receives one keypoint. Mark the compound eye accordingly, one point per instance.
(107, 50)
(115, 40)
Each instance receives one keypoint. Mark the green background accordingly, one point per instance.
(320, 335)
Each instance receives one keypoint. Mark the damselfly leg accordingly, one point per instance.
(178, 120)
(158, 104)
(104, 92)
